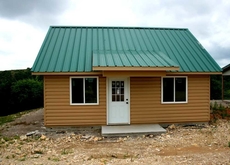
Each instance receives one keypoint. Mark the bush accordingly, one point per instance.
(27, 94)
(18, 91)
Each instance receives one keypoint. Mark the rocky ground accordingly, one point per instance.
(196, 144)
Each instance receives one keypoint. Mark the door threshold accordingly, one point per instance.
(118, 124)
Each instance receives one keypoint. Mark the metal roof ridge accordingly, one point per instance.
(119, 27)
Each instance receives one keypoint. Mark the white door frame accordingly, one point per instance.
(126, 97)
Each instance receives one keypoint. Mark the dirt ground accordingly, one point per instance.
(195, 144)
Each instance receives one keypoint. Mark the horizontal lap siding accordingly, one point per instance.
(59, 112)
(146, 107)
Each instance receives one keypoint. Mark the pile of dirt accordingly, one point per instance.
(31, 121)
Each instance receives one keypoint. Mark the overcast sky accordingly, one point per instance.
(24, 23)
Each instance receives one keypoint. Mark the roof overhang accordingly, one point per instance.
(133, 60)
(66, 73)
(124, 73)
(193, 73)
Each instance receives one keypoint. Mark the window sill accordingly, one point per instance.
(84, 104)
(174, 102)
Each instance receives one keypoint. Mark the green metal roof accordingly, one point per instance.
(78, 49)
(132, 58)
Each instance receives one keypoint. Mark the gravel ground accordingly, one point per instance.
(199, 144)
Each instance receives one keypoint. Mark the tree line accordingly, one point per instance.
(20, 91)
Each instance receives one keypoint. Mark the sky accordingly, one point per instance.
(24, 23)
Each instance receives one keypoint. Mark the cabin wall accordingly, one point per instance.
(146, 106)
(145, 103)
(59, 112)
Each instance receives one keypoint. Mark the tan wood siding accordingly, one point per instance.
(146, 106)
(59, 112)
(145, 103)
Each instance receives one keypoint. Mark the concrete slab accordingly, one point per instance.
(124, 130)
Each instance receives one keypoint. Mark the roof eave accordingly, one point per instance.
(194, 73)
(65, 73)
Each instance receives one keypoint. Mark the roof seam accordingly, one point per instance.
(181, 56)
(66, 50)
(179, 45)
(45, 41)
(195, 59)
(53, 50)
(79, 49)
(150, 58)
(154, 40)
(56, 64)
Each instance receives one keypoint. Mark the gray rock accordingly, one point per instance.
(86, 137)
(32, 133)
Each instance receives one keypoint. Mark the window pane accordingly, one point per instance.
(168, 85)
(122, 83)
(113, 83)
(113, 90)
(122, 97)
(122, 91)
(77, 90)
(180, 85)
(118, 98)
(113, 97)
(117, 83)
(90, 90)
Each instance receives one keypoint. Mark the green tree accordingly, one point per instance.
(27, 94)
(216, 87)
(227, 87)
(17, 95)
(5, 91)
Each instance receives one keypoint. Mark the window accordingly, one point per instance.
(118, 91)
(84, 90)
(174, 90)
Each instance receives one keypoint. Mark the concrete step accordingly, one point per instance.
(125, 130)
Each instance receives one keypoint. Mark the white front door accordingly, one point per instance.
(118, 101)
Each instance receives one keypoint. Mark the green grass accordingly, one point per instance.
(9, 139)
(12, 117)
(65, 152)
(7, 119)
(55, 159)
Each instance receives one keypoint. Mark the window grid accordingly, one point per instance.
(117, 91)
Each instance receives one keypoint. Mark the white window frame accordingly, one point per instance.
(84, 77)
(174, 102)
